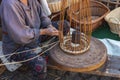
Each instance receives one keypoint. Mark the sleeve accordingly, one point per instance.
(45, 20)
(45, 7)
(16, 27)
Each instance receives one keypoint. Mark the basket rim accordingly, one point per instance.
(107, 16)
(113, 22)
(54, 2)
(56, 6)
(98, 19)
(100, 4)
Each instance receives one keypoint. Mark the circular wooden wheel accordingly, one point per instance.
(94, 58)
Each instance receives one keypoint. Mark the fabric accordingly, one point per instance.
(110, 40)
(66, 25)
(56, 25)
(104, 31)
(113, 46)
(45, 7)
(22, 23)
(21, 26)
(37, 65)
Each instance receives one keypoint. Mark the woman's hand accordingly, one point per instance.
(52, 31)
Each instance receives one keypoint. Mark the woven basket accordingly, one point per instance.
(74, 1)
(2, 68)
(112, 4)
(99, 11)
(55, 5)
(113, 19)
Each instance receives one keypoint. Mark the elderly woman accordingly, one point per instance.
(23, 24)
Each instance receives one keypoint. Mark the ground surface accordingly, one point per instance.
(52, 75)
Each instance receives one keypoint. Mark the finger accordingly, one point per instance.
(55, 33)
(53, 27)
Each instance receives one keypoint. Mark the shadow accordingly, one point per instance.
(0, 26)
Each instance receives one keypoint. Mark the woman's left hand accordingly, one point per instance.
(52, 31)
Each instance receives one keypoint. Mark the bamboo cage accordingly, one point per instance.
(77, 40)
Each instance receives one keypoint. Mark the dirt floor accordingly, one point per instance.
(24, 74)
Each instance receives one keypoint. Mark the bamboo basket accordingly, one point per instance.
(73, 1)
(99, 11)
(55, 5)
(113, 19)
(112, 4)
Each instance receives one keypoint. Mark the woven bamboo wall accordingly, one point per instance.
(112, 4)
